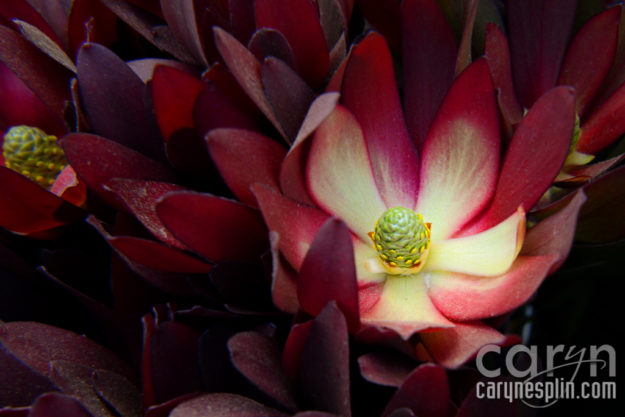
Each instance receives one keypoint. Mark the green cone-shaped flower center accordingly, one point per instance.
(32, 153)
(402, 240)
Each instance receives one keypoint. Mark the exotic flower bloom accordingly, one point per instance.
(439, 240)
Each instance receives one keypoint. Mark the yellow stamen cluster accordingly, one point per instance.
(32, 153)
(402, 240)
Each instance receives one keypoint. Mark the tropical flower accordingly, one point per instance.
(439, 240)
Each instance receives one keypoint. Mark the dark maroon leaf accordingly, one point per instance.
(46, 78)
(215, 228)
(174, 93)
(76, 380)
(117, 392)
(539, 32)
(257, 357)
(223, 405)
(298, 21)
(599, 218)
(58, 405)
(150, 27)
(385, 368)
(425, 391)
(141, 197)
(429, 49)
(174, 360)
(324, 366)
(402, 412)
(113, 98)
(320, 281)
(27, 208)
(289, 96)
(21, 384)
(38, 344)
(97, 160)
(268, 42)
(292, 355)
(476, 407)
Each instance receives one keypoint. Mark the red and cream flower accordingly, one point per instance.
(436, 241)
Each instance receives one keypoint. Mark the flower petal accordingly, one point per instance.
(453, 347)
(590, 57)
(429, 50)
(460, 157)
(245, 158)
(370, 92)
(363, 253)
(216, 228)
(296, 224)
(292, 178)
(328, 273)
(339, 173)
(488, 253)
(464, 297)
(534, 158)
(405, 307)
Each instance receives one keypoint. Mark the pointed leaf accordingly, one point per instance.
(245, 158)
(370, 92)
(298, 21)
(216, 228)
(320, 281)
(248, 72)
(605, 125)
(539, 32)
(174, 93)
(292, 179)
(383, 368)
(599, 217)
(497, 54)
(47, 79)
(289, 95)
(324, 367)
(535, 156)
(257, 357)
(425, 391)
(112, 96)
(296, 224)
(181, 18)
(268, 42)
(26, 207)
(590, 56)
(429, 49)
(97, 160)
